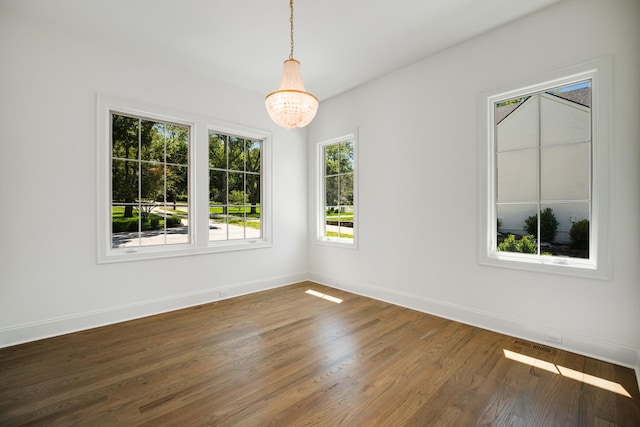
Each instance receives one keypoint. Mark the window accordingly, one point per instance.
(337, 171)
(234, 187)
(156, 172)
(149, 182)
(546, 187)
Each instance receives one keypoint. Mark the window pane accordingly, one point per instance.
(346, 157)
(236, 154)
(177, 142)
(253, 228)
(517, 178)
(346, 221)
(152, 141)
(177, 185)
(332, 159)
(567, 214)
(217, 223)
(236, 195)
(331, 190)
(177, 229)
(345, 232)
(217, 151)
(236, 220)
(217, 187)
(152, 188)
(332, 221)
(346, 189)
(253, 189)
(519, 129)
(152, 230)
(124, 181)
(511, 218)
(556, 223)
(124, 223)
(565, 172)
(124, 137)
(566, 115)
(253, 156)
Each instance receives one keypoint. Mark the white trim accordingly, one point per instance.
(620, 354)
(82, 321)
(320, 238)
(599, 266)
(198, 177)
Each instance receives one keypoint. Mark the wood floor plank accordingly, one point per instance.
(283, 357)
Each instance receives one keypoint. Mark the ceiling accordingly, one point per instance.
(341, 44)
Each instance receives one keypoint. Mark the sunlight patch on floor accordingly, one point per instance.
(566, 372)
(323, 296)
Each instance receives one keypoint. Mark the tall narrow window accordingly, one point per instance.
(337, 189)
(149, 182)
(234, 187)
(545, 204)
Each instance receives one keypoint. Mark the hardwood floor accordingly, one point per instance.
(286, 358)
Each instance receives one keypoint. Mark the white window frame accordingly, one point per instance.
(321, 239)
(598, 266)
(199, 126)
(265, 187)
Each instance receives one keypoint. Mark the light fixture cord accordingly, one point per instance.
(291, 22)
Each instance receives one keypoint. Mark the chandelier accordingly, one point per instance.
(291, 106)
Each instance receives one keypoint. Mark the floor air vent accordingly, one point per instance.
(535, 346)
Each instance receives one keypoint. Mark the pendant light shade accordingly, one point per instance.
(291, 106)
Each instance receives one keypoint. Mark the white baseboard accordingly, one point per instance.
(610, 352)
(607, 351)
(63, 325)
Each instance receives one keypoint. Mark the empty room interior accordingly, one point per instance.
(438, 227)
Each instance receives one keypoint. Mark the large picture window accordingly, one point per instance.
(149, 182)
(543, 171)
(337, 166)
(173, 184)
(546, 189)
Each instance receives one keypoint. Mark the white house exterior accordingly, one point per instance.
(543, 146)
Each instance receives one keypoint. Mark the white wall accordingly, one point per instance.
(418, 155)
(50, 282)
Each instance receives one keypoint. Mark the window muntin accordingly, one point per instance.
(149, 182)
(543, 169)
(235, 175)
(337, 189)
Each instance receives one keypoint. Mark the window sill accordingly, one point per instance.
(149, 253)
(547, 264)
(337, 242)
